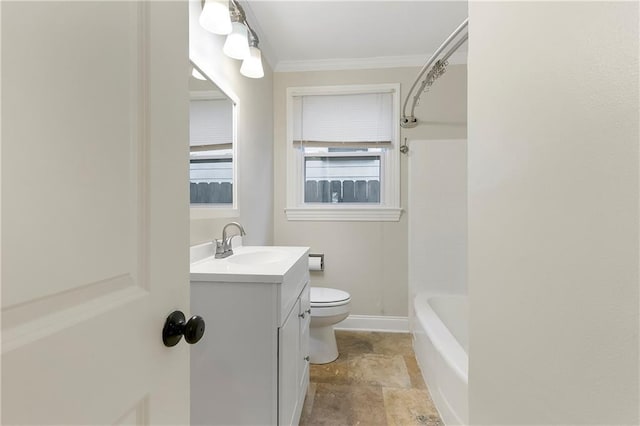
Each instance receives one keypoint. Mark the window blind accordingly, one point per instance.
(354, 120)
(210, 124)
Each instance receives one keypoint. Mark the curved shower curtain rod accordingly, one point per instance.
(436, 69)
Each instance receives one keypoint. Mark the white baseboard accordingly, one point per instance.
(374, 323)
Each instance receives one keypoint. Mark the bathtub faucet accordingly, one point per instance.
(223, 248)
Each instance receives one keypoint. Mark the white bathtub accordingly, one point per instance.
(441, 339)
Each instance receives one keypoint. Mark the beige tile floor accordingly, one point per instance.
(375, 381)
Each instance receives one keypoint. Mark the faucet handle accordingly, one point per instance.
(227, 244)
(219, 246)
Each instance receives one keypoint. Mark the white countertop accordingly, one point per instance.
(266, 264)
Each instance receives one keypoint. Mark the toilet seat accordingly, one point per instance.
(323, 297)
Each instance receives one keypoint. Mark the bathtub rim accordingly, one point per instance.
(440, 336)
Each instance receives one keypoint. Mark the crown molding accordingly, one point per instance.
(363, 63)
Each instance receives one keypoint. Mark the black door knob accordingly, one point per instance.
(175, 327)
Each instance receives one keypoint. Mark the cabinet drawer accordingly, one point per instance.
(305, 314)
(293, 283)
(305, 300)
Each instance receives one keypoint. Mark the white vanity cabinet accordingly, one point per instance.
(251, 366)
(293, 362)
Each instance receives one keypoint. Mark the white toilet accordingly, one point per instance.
(329, 306)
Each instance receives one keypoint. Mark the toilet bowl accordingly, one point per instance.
(329, 306)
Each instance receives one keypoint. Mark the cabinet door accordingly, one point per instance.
(303, 360)
(289, 353)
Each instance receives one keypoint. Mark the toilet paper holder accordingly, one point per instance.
(316, 262)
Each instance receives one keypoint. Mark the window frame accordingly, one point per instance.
(389, 207)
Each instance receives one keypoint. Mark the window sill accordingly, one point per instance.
(212, 212)
(344, 214)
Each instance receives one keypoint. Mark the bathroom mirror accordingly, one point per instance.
(212, 148)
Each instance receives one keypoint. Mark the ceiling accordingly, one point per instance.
(297, 35)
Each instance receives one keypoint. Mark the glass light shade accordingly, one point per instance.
(215, 17)
(237, 44)
(196, 74)
(252, 65)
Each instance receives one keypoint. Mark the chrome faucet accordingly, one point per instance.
(223, 248)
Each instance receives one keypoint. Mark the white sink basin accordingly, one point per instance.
(261, 257)
(265, 264)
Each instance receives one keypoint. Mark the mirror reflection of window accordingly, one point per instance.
(211, 144)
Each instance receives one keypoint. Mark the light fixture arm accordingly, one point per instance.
(236, 16)
(238, 11)
(253, 37)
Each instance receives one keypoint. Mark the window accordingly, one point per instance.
(337, 175)
(211, 150)
(343, 161)
(211, 177)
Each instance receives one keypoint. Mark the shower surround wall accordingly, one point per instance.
(437, 217)
(367, 259)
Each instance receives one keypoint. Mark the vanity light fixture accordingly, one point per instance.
(242, 41)
(215, 17)
(252, 65)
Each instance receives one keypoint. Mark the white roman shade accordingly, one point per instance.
(210, 124)
(350, 120)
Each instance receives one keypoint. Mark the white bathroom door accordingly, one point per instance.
(94, 211)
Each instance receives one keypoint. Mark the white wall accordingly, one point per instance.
(367, 259)
(255, 136)
(553, 212)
